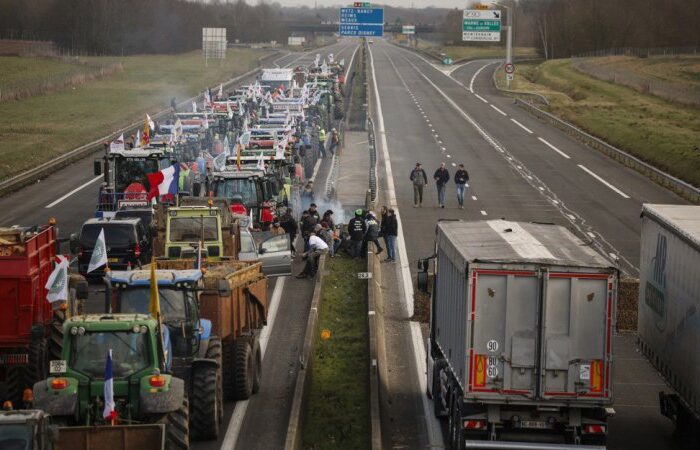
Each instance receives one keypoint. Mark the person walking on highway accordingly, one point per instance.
(291, 227)
(335, 141)
(420, 179)
(321, 141)
(391, 231)
(357, 230)
(441, 176)
(461, 178)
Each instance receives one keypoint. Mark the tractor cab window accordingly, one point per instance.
(133, 170)
(193, 229)
(129, 353)
(16, 437)
(229, 187)
(136, 300)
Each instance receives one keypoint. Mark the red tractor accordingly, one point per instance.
(31, 328)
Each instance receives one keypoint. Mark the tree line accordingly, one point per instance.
(565, 28)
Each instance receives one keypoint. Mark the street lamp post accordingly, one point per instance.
(509, 37)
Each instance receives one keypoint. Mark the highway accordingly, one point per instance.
(520, 169)
(70, 195)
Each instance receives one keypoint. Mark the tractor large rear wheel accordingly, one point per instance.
(244, 369)
(207, 403)
(257, 365)
(177, 428)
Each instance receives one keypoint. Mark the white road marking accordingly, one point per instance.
(432, 426)
(521, 125)
(499, 111)
(554, 148)
(597, 177)
(474, 197)
(471, 83)
(82, 186)
(454, 165)
(482, 98)
(236, 421)
(571, 217)
(483, 213)
(591, 234)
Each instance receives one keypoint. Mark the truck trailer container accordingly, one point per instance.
(521, 334)
(669, 307)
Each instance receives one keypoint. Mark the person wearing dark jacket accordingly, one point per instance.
(441, 176)
(461, 178)
(290, 226)
(391, 231)
(382, 224)
(419, 179)
(308, 223)
(372, 234)
(357, 230)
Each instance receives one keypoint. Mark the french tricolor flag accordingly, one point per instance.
(109, 412)
(164, 182)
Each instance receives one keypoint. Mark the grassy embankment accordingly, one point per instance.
(659, 132)
(338, 407)
(457, 52)
(36, 129)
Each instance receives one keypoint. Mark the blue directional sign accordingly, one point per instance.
(362, 22)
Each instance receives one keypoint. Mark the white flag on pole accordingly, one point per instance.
(99, 253)
(138, 139)
(261, 162)
(221, 91)
(57, 284)
(151, 124)
(117, 145)
(229, 110)
(194, 107)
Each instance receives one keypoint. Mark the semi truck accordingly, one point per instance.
(669, 309)
(30, 326)
(521, 339)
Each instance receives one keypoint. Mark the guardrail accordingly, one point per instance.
(371, 142)
(18, 181)
(513, 92)
(660, 177)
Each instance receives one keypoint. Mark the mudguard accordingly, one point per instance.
(62, 402)
(161, 400)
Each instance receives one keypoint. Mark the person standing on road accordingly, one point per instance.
(391, 231)
(441, 176)
(382, 224)
(461, 178)
(420, 179)
(357, 230)
(291, 227)
(335, 141)
(322, 142)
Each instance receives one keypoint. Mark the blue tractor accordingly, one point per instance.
(196, 353)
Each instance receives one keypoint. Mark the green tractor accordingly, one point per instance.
(144, 390)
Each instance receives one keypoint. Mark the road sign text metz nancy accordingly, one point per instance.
(361, 22)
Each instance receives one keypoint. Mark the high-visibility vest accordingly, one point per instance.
(322, 135)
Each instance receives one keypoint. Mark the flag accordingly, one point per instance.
(228, 110)
(151, 123)
(117, 145)
(244, 140)
(109, 412)
(207, 98)
(194, 107)
(146, 136)
(154, 302)
(99, 253)
(205, 125)
(220, 94)
(261, 161)
(177, 129)
(227, 145)
(238, 156)
(57, 284)
(219, 162)
(164, 181)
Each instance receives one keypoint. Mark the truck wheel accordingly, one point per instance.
(205, 410)
(177, 428)
(214, 351)
(257, 365)
(243, 375)
(438, 407)
(228, 369)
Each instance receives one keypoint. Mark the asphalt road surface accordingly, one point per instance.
(520, 169)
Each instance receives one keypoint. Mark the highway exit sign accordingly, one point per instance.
(481, 25)
(361, 22)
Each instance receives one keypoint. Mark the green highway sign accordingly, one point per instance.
(481, 25)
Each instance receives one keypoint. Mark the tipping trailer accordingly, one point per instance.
(521, 335)
(30, 326)
(669, 299)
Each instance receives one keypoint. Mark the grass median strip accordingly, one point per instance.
(662, 133)
(37, 129)
(338, 405)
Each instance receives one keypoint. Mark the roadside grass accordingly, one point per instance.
(457, 52)
(338, 407)
(677, 69)
(20, 73)
(37, 129)
(664, 134)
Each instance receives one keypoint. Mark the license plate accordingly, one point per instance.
(58, 366)
(113, 260)
(537, 424)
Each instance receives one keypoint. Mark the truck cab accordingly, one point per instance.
(187, 226)
(248, 184)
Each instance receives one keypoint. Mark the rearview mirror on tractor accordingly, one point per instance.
(97, 167)
(74, 243)
(81, 290)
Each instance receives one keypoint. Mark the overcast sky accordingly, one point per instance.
(403, 3)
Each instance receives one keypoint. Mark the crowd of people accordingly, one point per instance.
(442, 177)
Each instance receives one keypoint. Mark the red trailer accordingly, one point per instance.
(27, 319)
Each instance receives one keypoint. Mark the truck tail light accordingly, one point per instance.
(480, 370)
(157, 381)
(594, 429)
(596, 375)
(59, 383)
(475, 424)
(137, 250)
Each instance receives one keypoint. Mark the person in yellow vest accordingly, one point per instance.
(184, 182)
(322, 142)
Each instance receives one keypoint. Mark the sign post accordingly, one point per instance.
(362, 21)
(479, 25)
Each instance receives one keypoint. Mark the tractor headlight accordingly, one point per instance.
(74, 331)
(81, 331)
